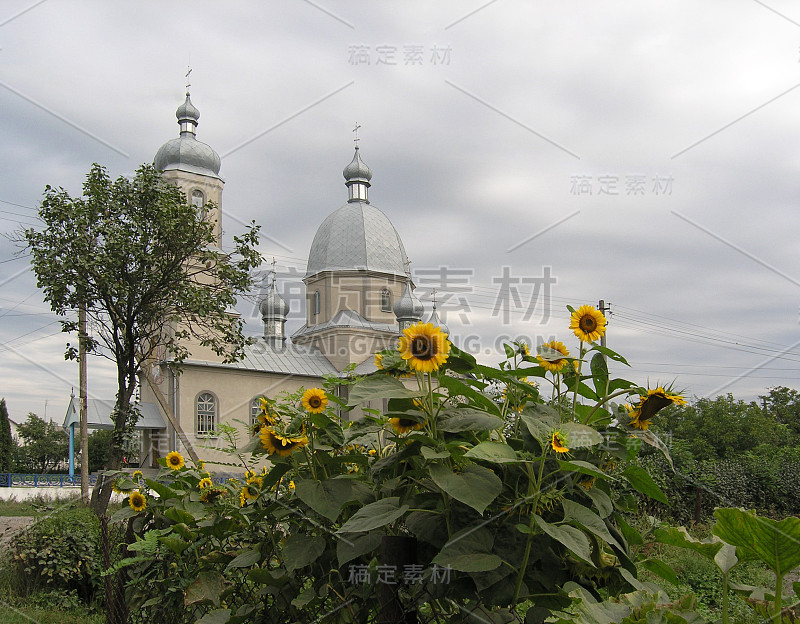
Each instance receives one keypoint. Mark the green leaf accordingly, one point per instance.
(599, 374)
(589, 520)
(601, 500)
(659, 568)
(648, 437)
(576, 465)
(379, 387)
(457, 387)
(540, 421)
(208, 586)
(467, 419)
(476, 486)
(679, 536)
(726, 558)
(581, 436)
(306, 596)
(357, 545)
(374, 515)
(245, 559)
(123, 513)
(174, 543)
(775, 543)
(632, 536)
(302, 550)
(569, 536)
(469, 550)
(610, 353)
(179, 516)
(325, 497)
(496, 452)
(428, 453)
(641, 480)
(217, 616)
(164, 491)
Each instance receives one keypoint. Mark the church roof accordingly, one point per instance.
(357, 236)
(286, 358)
(344, 319)
(98, 414)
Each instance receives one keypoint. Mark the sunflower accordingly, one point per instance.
(404, 425)
(650, 404)
(248, 492)
(174, 460)
(379, 361)
(550, 364)
(291, 485)
(137, 501)
(587, 323)
(268, 415)
(586, 482)
(115, 487)
(314, 400)
(205, 483)
(283, 445)
(424, 347)
(559, 442)
(524, 349)
(137, 474)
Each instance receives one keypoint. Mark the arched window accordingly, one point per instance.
(255, 410)
(386, 300)
(198, 199)
(206, 408)
(316, 302)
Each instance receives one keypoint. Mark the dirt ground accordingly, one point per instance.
(10, 525)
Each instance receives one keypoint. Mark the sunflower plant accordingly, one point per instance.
(498, 491)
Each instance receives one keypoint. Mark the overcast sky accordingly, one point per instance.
(645, 154)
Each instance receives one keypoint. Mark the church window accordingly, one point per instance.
(255, 410)
(316, 302)
(386, 300)
(206, 414)
(198, 199)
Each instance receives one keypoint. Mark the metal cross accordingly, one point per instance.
(189, 71)
(356, 139)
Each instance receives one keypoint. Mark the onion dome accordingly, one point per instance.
(186, 153)
(408, 309)
(434, 320)
(357, 236)
(274, 311)
(357, 176)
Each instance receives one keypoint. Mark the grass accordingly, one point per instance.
(12, 615)
(43, 505)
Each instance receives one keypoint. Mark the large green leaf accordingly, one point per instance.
(583, 467)
(574, 539)
(469, 550)
(208, 586)
(379, 387)
(302, 550)
(640, 479)
(648, 437)
(658, 567)
(325, 497)
(679, 536)
(540, 421)
(217, 616)
(457, 387)
(357, 545)
(586, 518)
(496, 452)
(377, 514)
(245, 559)
(476, 486)
(467, 419)
(599, 373)
(581, 436)
(775, 543)
(602, 501)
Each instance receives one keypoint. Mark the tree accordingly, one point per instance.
(146, 264)
(7, 450)
(45, 444)
(784, 404)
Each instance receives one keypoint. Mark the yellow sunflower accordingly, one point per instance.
(205, 483)
(554, 366)
(249, 492)
(174, 460)
(268, 415)
(650, 404)
(587, 323)
(314, 400)
(404, 425)
(379, 361)
(424, 347)
(291, 485)
(137, 474)
(559, 442)
(524, 349)
(280, 444)
(137, 501)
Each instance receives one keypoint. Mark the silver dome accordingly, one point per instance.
(273, 305)
(408, 306)
(357, 236)
(185, 152)
(434, 320)
(357, 169)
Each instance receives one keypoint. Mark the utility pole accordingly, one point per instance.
(602, 307)
(83, 397)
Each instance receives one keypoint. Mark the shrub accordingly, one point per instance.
(60, 552)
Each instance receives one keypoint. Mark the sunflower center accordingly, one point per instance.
(315, 402)
(588, 324)
(406, 422)
(422, 348)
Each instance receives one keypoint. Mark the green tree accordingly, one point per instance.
(147, 266)
(784, 405)
(45, 445)
(7, 450)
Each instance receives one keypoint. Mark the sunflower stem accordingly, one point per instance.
(605, 399)
(577, 379)
(529, 540)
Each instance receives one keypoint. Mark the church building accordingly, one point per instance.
(359, 297)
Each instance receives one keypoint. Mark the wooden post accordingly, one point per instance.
(397, 551)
